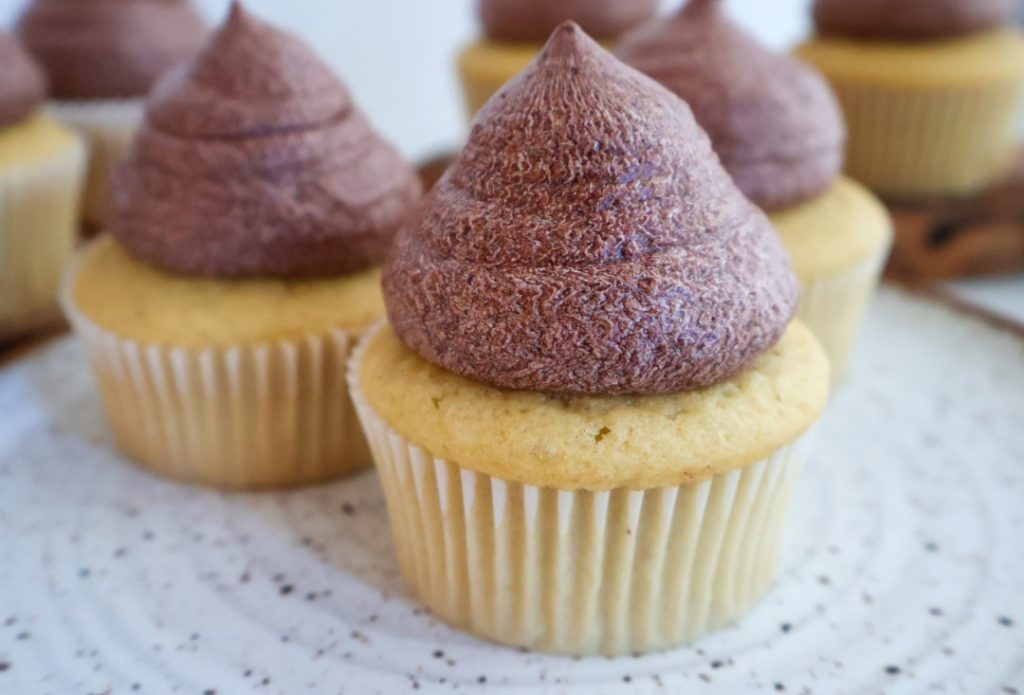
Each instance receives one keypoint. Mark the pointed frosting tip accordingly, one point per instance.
(237, 17)
(566, 40)
(588, 241)
(254, 162)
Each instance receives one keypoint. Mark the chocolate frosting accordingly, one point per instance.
(253, 161)
(911, 19)
(534, 20)
(772, 119)
(587, 240)
(22, 82)
(103, 49)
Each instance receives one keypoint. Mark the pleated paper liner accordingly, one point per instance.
(834, 307)
(38, 229)
(575, 572)
(108, 126)
(266, 415)
(921, 143)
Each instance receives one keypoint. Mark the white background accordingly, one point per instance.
(397, 55)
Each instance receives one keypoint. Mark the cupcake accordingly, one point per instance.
(931, 90)
(515, 31)
(779, 132)
(41, 170)
(240, 267)
(102, 58)
(591, 404)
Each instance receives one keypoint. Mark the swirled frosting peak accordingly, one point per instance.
(911, 19)
(253, 161)
(588, 241)
(534, 20)
(102, 49)
(22, 82)
(773, 120)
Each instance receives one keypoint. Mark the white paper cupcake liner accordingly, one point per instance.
(834, 308)
(577, 572)
(918, 142)
(38, 229)
(274, 414)
(108, 126)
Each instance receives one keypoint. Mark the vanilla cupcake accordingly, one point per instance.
(591, 406)
(931, 90)
(41, 169)
(515, 31)
(102, 58)
(240, 267)
(779, 132)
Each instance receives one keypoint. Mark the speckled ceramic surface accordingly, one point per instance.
(904, 569)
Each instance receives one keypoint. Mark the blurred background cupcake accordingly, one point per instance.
(515, 31)
(931, 90)
(102, 57)
(41, 170)
(778, 130)
(240, 267)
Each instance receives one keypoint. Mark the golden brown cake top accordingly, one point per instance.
(911, 19)
(598, 443)
(254, 162)
(22, 82)
(99, 49)
(772, 119)
(587, 240)
(534, 20)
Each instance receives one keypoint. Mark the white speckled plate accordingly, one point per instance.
(904, 570)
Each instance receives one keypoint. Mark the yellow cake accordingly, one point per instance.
(600, 442)
(926, 118)
(41, 170)
(141, 303)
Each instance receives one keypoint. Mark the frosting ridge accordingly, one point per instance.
(772, 119)
(104, 49)
(254, 161)
(588, 241)
(534, 20)
(22, 82)
(911, 19)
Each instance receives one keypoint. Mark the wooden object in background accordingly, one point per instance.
(959, 237)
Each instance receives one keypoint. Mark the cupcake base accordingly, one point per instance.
(41, 170)
(834, 308)
(838, 243)
(925, 119)
(108, 127)
(239, 412)
(580, 572)
(264, 416)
